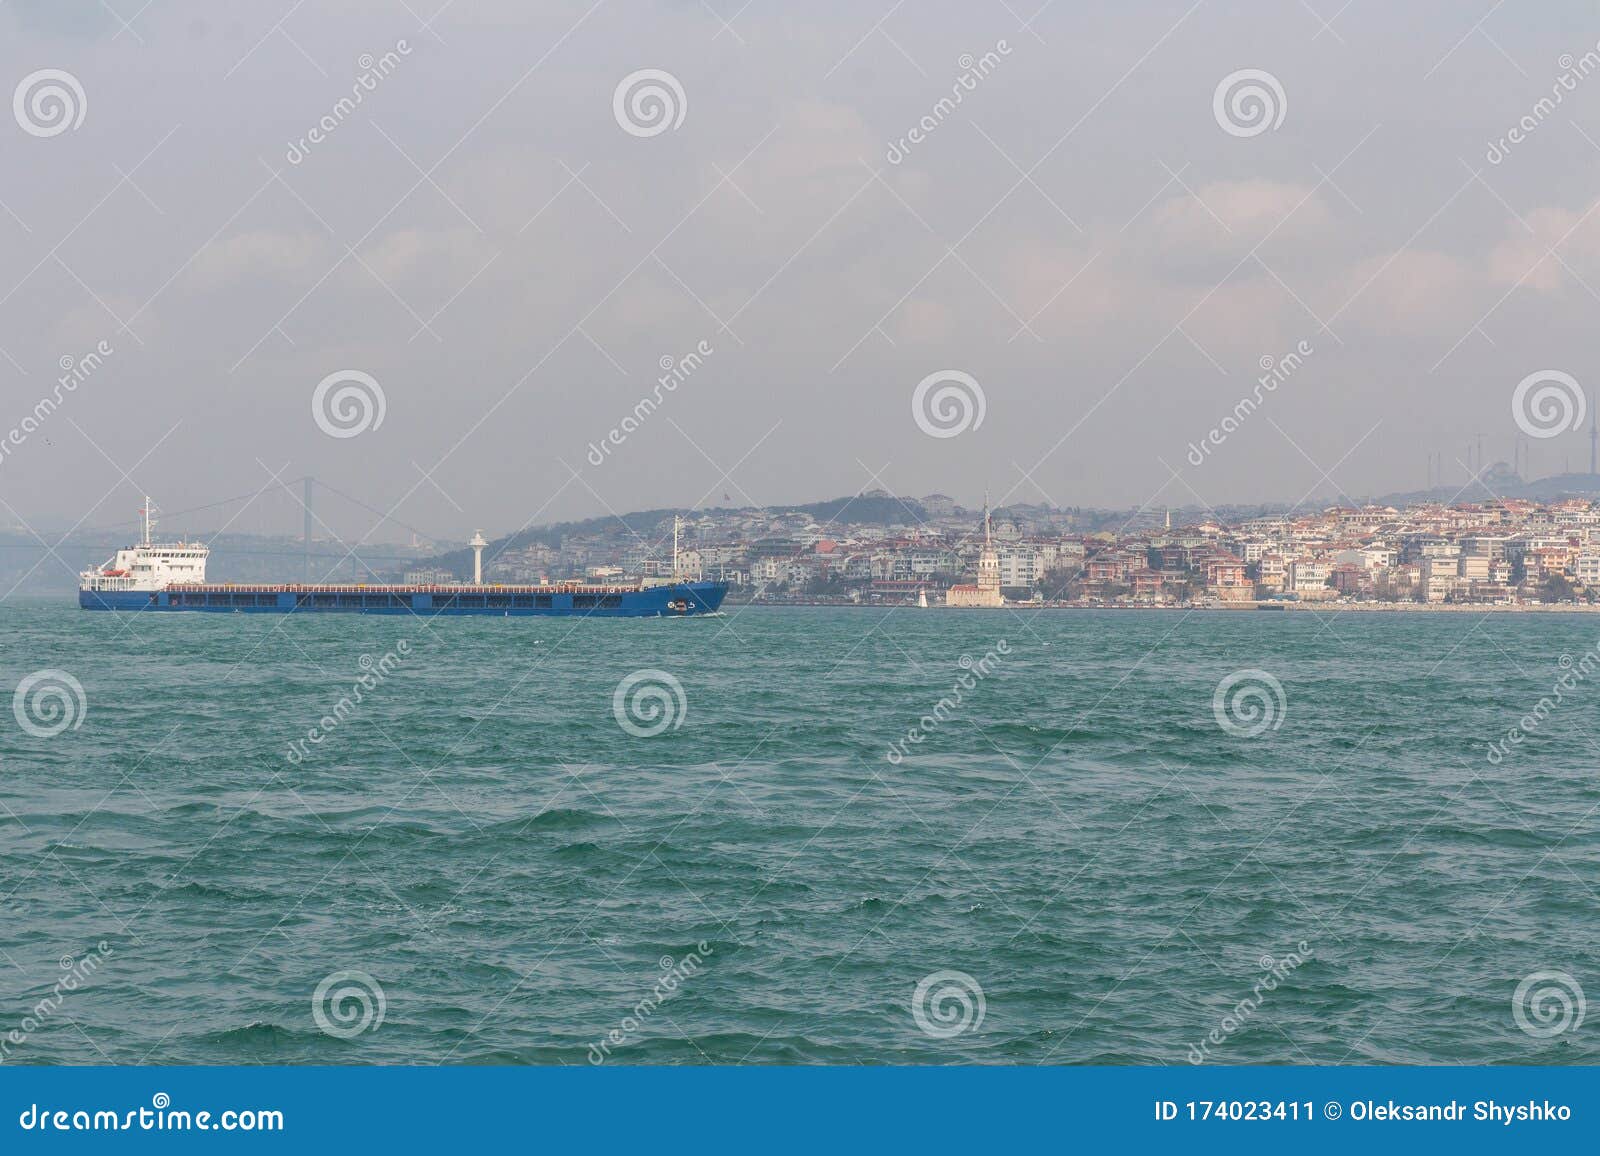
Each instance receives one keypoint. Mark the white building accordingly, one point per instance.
(1307, 575)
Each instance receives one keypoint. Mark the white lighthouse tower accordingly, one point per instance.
(478, 543)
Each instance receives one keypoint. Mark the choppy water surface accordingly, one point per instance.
(1078, 836)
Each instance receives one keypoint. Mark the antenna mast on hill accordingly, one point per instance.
(1594, 436)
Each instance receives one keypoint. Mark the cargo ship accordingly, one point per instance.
(171, 576)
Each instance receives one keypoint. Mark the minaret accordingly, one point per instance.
(988, 565)
(477, 545)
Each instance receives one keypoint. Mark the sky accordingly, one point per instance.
(443, 297)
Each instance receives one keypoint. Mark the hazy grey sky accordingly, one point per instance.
(1080, 234)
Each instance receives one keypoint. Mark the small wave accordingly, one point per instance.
(1501, 836)
(578, 850)
(560, 819)
(870, 904)
(194, 889)
(259, 1034)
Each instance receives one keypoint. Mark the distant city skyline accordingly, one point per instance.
(280, 512)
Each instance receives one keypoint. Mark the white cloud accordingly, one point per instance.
(262, 253)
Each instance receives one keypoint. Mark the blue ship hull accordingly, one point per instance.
(677, 600)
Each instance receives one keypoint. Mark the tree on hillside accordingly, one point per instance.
(1555, 588)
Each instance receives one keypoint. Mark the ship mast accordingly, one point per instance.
(148, 521)
(676, 522)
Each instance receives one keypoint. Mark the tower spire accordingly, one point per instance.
(986, 517)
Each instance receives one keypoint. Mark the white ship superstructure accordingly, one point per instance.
(149, 565)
